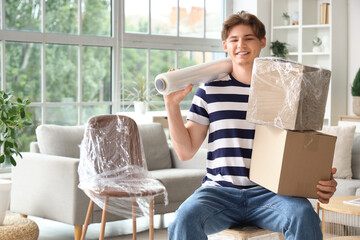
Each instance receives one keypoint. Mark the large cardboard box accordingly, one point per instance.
(291, 162)
(287, 94)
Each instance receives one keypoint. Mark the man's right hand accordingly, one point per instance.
(175, 98)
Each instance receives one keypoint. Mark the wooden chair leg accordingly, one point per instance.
(78, 230)
(133, 208)
(317, 207)
(103, 219)
(151, 220)
(87, 219)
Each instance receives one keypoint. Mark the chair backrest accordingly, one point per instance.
(112, 142)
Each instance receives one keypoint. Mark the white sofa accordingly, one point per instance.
(351, 186)
(45, 181)
(347, 160)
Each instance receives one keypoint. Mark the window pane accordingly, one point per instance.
(27, 134)
(96, 17)
(186, 59)
(61, 115)
(61, 73)
(1, 63)
(0, 26)
(214, 17)
(133, 74)
(163, 17)
(137, 18)
(212, 56)
(192, 18)
(61, 16)
(23, 70)
(23, 15)
(160, 61)
(90, 111)
(96, 74)
(189, 58)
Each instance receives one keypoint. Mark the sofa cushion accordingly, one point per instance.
(60, 140)
(157, 152)
(343, 146)
(355, 156)
(179, 183)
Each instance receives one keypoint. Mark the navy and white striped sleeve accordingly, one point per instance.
(198, 110)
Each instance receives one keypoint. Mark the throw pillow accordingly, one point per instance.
(343, 146)
(355, 158)
(60, 140)
(157, 153)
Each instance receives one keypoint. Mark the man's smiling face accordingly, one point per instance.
(242, 45)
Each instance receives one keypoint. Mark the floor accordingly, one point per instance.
(120, 230)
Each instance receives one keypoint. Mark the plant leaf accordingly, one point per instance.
(12, 161)
(22, 113)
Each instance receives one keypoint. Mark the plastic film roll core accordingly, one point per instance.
(160, 84)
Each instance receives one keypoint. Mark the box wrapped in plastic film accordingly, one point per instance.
(287, 94)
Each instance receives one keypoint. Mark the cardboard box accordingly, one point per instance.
(287, 94)
(291, 162)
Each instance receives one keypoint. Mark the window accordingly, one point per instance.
(77, 58)
(170, 34)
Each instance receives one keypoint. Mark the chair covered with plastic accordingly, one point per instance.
(113, 172)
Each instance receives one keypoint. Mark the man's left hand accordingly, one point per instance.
(327, 188)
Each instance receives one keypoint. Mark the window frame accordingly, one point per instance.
(119, 39)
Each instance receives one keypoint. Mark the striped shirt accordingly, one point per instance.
(222, 104)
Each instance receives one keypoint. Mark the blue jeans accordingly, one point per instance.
(213, 209)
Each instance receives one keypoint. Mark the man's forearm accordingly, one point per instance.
(179, 134)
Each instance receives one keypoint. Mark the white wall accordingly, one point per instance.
(353, 46)
(262, 9)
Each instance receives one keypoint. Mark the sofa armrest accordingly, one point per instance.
(347, 187)
(34, 147)
(197, 162)
(46, 185)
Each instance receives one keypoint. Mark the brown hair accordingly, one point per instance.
(243, 18)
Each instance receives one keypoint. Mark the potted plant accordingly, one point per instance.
(286, 18)
(139, 94)
(355, 91)
(12, 119)
(317, 44)
(279, 49)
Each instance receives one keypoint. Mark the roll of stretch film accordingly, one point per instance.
(166, 83)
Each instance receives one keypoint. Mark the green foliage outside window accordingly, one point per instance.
(92, 11)
(59, 12)
(23, 69)
(61, 73)
(23, 16)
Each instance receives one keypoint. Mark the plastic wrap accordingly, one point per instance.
(287, 94)
(169, 82)
(112, 163)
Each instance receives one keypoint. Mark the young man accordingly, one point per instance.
(227, 197)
